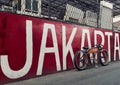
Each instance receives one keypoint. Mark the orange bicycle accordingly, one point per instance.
(82, 56)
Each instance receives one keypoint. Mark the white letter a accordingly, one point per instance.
(44, 49)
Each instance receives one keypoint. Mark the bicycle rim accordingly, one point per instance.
(79, 60)
(104, 58)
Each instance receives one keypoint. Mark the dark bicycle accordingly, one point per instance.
(81, 57)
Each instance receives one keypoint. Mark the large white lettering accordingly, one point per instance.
(97, 32)
(86, 33)
(67, 47)
(45, 49)
(109, 51)
(116, 46)
(29, 47)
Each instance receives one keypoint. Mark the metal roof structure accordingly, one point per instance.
(85, 10)
(116, 7)
(92, 5)
(6, 2)
(58, 5)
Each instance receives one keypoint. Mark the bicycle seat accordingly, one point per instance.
(86, 48)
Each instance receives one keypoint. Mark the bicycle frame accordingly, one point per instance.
(92, 50)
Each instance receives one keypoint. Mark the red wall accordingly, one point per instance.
(31, 47)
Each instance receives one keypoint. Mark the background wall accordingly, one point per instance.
(31, 47)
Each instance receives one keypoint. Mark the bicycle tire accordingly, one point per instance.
(104, 57)
(79, 60)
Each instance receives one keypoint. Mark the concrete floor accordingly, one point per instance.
(107, 75)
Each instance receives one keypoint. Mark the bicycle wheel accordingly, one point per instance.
(104, 57)
(79, 61)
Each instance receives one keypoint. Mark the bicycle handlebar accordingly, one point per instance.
(99, 45)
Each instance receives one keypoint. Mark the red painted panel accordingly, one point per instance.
(53, 43)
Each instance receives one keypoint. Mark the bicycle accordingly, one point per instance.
(81, 57)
